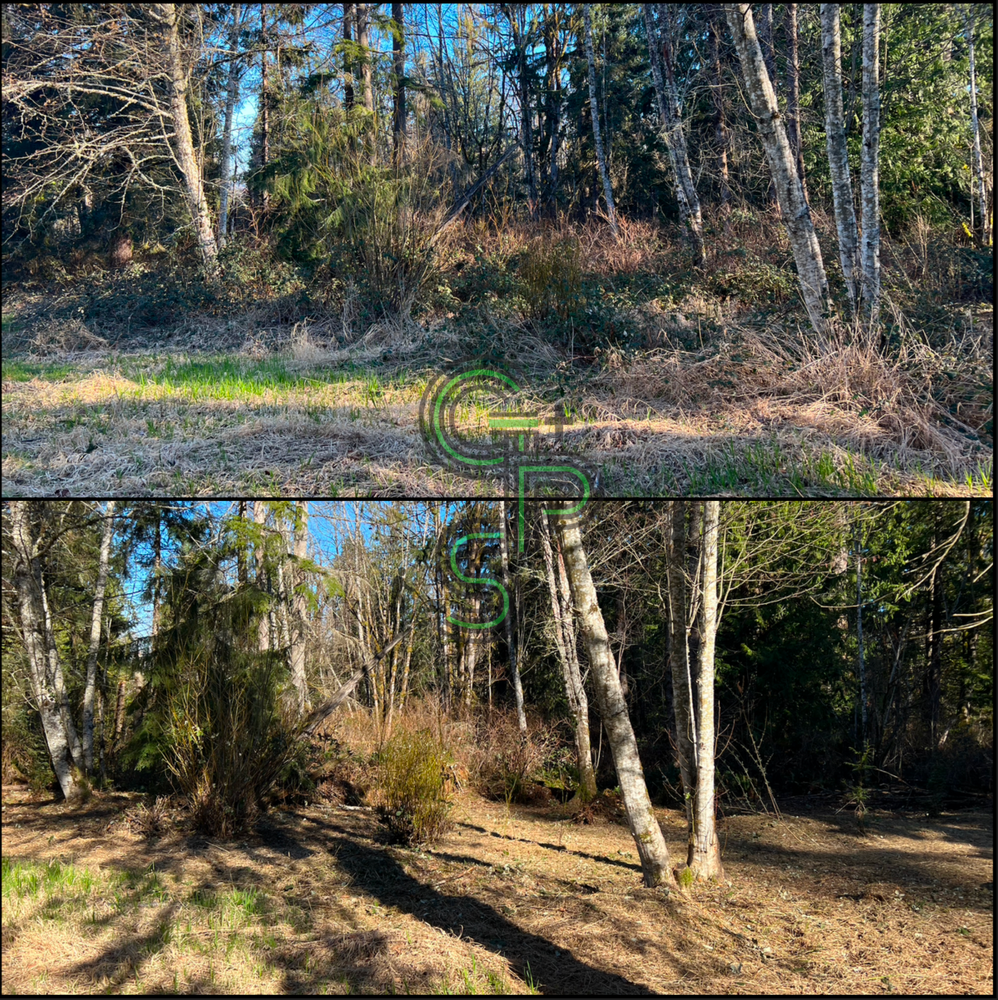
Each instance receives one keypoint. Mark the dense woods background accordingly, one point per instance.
(201, 647)
(301, 129)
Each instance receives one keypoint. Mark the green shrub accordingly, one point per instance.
(412, 780)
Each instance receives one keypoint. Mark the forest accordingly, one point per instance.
(706, 249)
(625, 747)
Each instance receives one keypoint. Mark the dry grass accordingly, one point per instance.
(313, 902)
(719, 401)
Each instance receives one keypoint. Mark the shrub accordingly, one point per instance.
(506, 758)
(412, 772)
(552, 276)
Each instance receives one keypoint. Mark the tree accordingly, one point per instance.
(97, 622)
(983, 217)
(235, 72)
(594, 107)
(838, 156)
(793, 94)
(672, 130)
(398, 81)
(134, 63)
(870, 170)
(514, 610)
(796, 214)
(706, 856)
(29, 542)
(644, 826)
(564, 632)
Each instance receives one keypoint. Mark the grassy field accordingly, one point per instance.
(516, 899)
(672, 382)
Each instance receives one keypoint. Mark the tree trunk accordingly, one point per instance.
(838, 156)
(672, 130)
(564, 632)
(299, 622)
(95, 629)
(769, 57)
(793, 95)
(594, 107)
(514, 666)
(985, 237)
(526, 128)
(681, 694)
(706, 857)
(167, 16)
(641, 818)
(262, 581)
(720, 125)
(39, 644)
(859, 637)
(796, 215)
(870, 176)
(398, 91)
(348, 19)
(232, 95)
(363, 38)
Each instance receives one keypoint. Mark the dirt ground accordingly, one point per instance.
(512, 900)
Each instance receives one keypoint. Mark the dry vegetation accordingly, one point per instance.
(674, 381)
(118, 896)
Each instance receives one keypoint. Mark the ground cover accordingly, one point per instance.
(514, 899)
(670, 380)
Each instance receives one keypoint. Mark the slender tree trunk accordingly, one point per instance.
(398, 91)
(838, 156)
(526, 128)
(985, 237)
(796, 215)
(578, 703)
(870, 245)
(262, 582)
(793, 95)
(43, 657)
(769, 57)
(364, 39)
(720, 125)
(96, 622)
(514, 666)
(685, 734)
(166, 16)
(299, 622)
(348, 63)
(644, 826)
(706, 857)
(672, 128)
(594, 107)
(859, 635)
(231, 96)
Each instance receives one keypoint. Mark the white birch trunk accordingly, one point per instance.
(671, 127)
(706, 857)
(299, 623)
(514, 666)
(95, 629)
(565, 640)
(644, 826)
(167, 15)
(611, 212)
(232, 95)
(870, 171)
(796, 215)
(43, 662)
(978, 162)
(838, 156)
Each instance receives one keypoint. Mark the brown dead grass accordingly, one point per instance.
(810, 906)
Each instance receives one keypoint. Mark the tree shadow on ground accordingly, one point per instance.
(553, 971)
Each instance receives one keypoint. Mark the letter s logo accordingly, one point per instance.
(483, 580)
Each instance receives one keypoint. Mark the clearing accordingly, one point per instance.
(512, 899)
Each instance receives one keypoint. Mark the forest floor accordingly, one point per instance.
(669, 381)
(512, 900)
